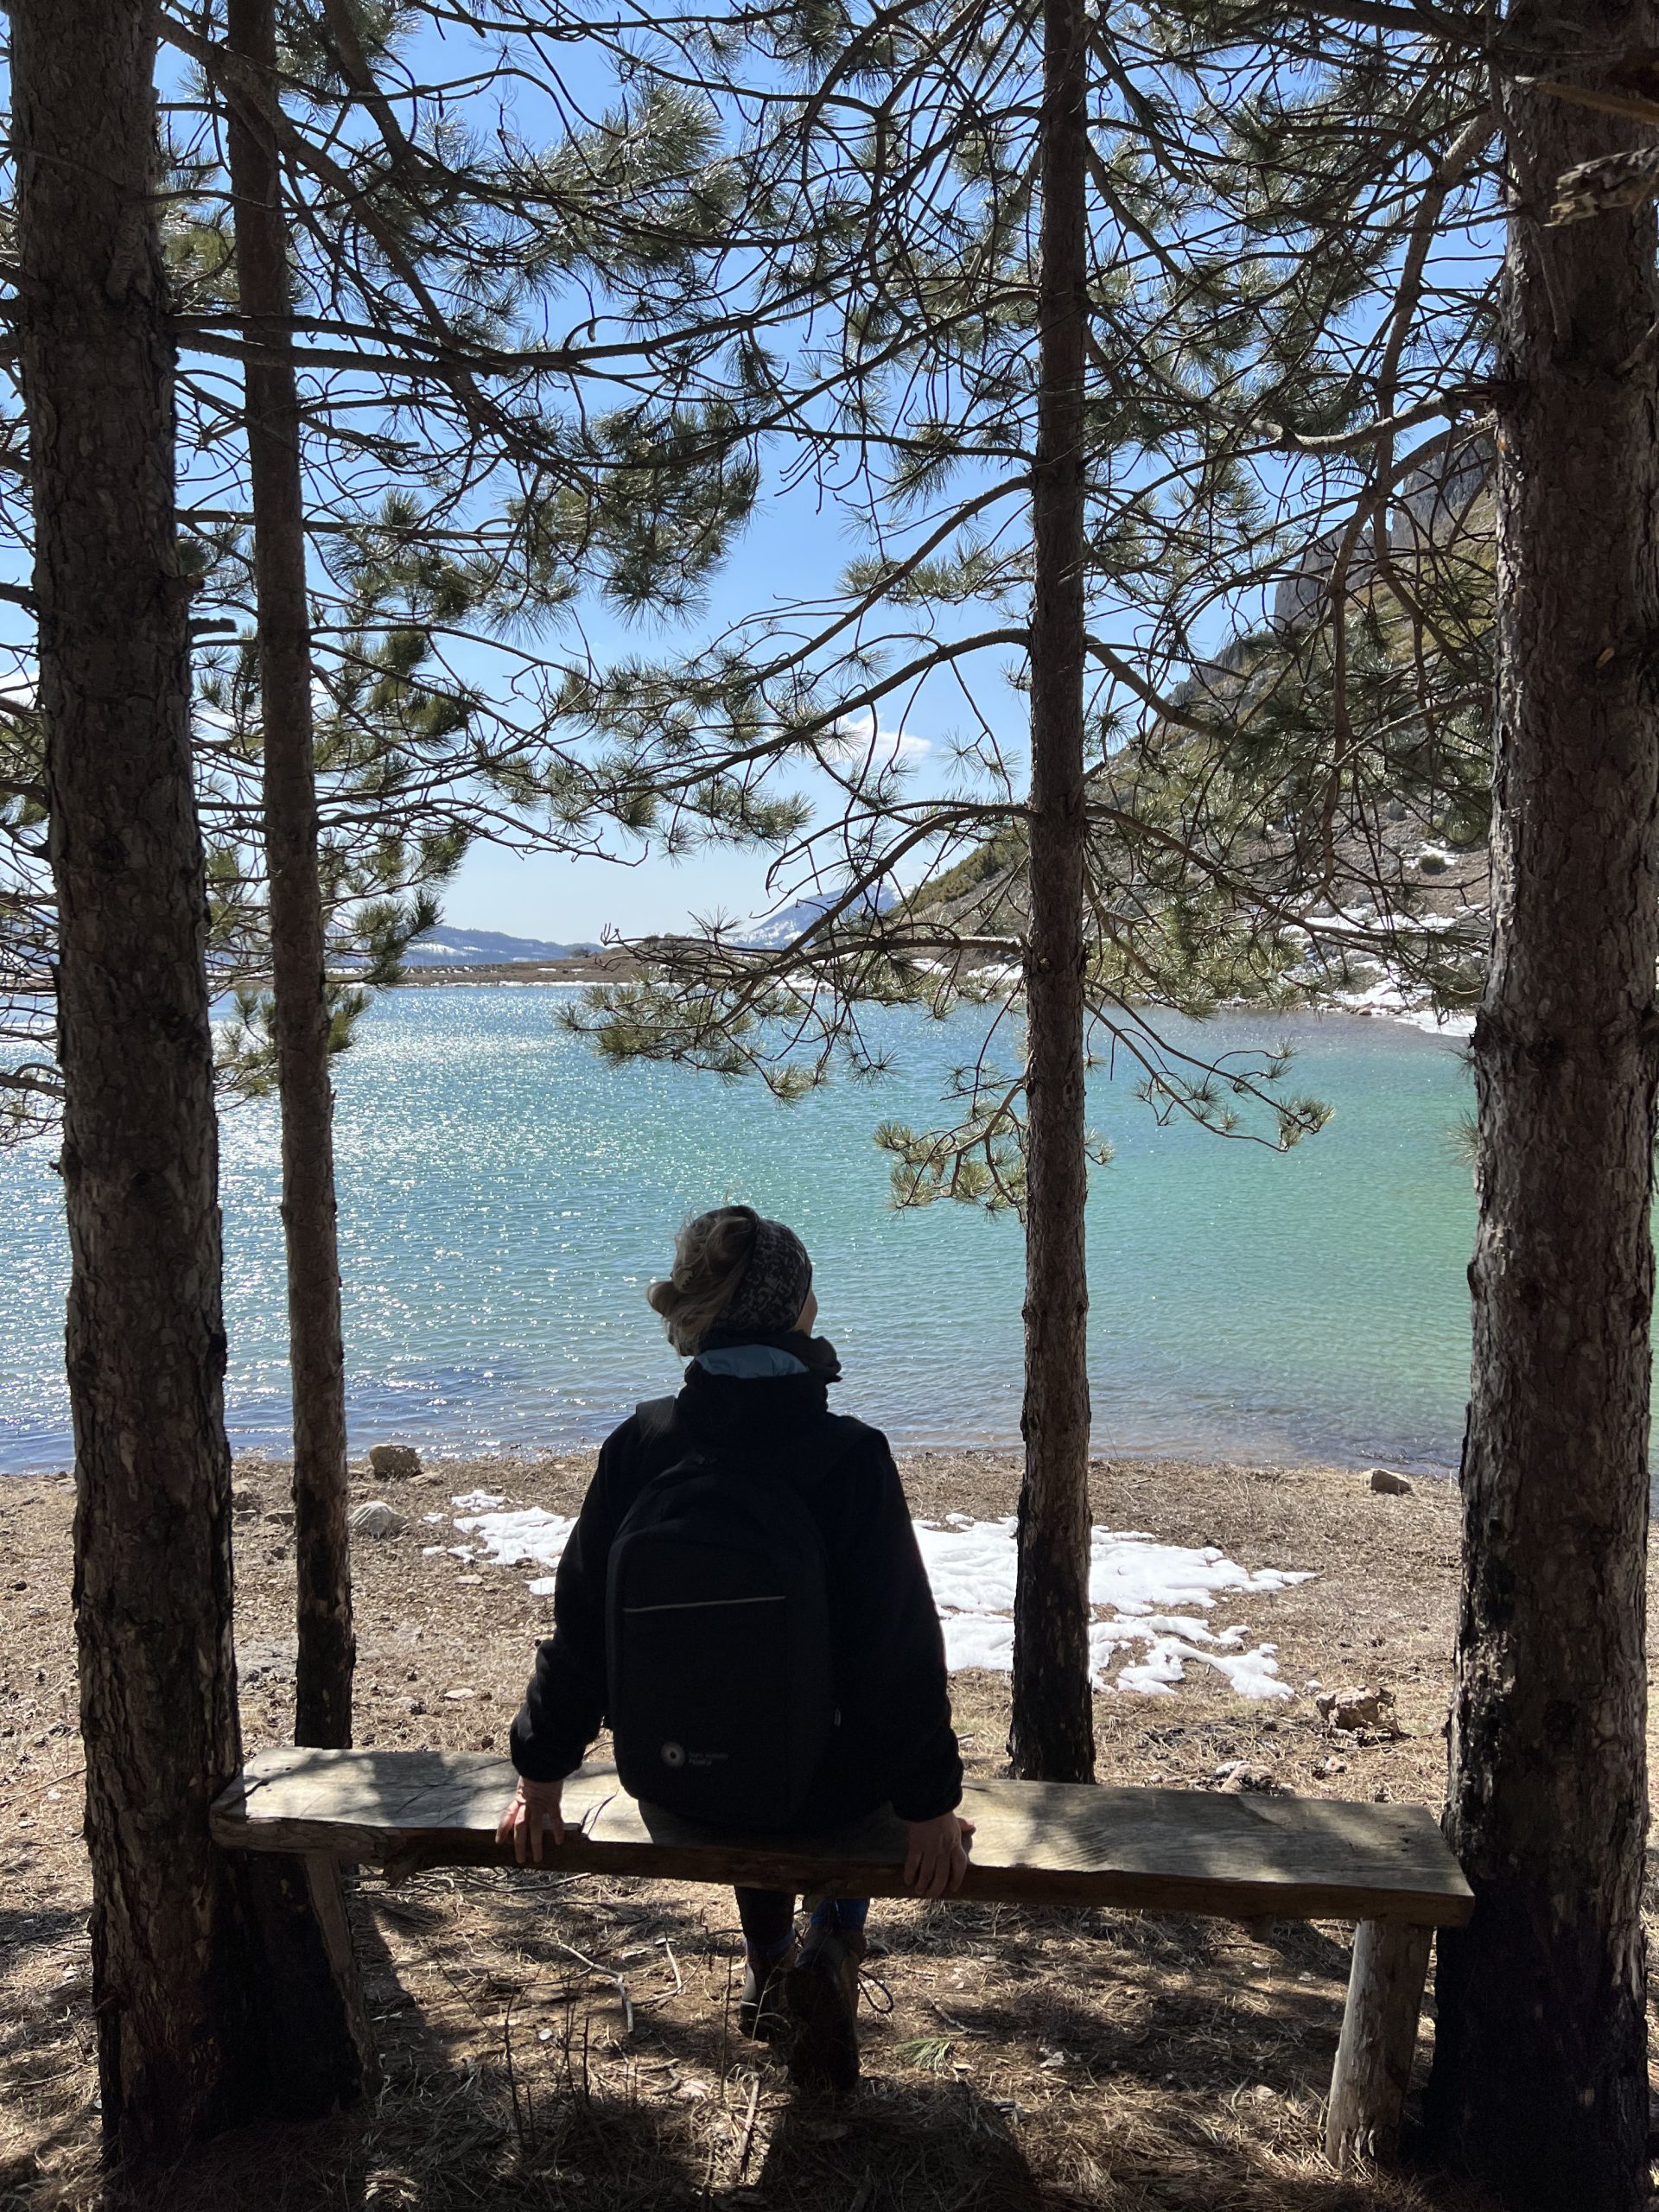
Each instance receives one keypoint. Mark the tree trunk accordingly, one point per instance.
(1540, 2082)
(171, 1959)
(317, 1355)
(1052, 1735)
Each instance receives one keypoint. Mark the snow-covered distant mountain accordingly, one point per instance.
(784, 924)
(446, 946)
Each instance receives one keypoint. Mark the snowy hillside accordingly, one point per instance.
(768, 932)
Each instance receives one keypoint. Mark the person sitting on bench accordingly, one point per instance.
(743, 1599)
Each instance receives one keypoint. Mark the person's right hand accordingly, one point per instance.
(534, 1810)
(937, 1858)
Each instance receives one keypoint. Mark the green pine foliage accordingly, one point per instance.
(1289, 318)
(553, 365)
(523, 394)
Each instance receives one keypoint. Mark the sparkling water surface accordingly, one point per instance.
(505, 1197)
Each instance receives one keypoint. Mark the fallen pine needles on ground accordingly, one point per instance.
(569, 2043)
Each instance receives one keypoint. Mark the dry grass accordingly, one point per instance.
(1028, 2059)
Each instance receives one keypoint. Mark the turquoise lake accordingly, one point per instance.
(505, 1197)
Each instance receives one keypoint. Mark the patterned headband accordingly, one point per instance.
(775, 1283)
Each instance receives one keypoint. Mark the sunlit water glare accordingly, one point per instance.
(505, 1197)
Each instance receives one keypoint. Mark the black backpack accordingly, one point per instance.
(721, 1684)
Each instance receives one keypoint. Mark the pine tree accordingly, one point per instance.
(1541, 2075)
(948, 427)
(642, 495)
(406, 756)
(172, 1967)
(300, 997)
(1054, 1728)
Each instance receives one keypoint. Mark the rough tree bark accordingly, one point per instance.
(1052, 1733)
(1540, 2082)
(171, 1957)
(219, 1992)
(323, 1712)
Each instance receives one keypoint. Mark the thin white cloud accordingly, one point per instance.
(859, 737)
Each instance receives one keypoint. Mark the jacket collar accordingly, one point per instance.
(817, 1354)
(750, 1362)
(752, 1413)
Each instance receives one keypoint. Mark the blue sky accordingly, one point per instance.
(790, 549)
(541, 895)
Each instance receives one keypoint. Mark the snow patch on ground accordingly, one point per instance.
(527, 1537)
(1148, 1596)
(1135, 1583)
(1396, 1003)
(1375, 988)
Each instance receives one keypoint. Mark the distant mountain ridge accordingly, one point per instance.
(447, 946)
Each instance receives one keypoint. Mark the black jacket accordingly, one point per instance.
(895, 1742)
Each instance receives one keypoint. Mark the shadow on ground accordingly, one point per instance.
(569, 2047)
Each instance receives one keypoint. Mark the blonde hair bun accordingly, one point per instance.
(735, 1267)
(711, 1254)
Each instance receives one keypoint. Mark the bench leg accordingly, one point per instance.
(1379, 2034)
(319, 2046)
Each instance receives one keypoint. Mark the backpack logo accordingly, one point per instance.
(674, 1755)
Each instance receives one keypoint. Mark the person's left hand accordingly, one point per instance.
(937, 1858)
(534, 1811)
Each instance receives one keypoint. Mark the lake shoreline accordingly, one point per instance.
(1383, 1003)
(1000, 1457)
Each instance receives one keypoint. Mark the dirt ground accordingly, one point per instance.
(1014, 2059)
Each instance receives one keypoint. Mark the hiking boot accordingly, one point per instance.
(760, 2014)
(820, 1992)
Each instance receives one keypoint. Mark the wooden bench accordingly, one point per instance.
(1247, 1858)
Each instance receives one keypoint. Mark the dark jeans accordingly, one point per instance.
(768, 1919)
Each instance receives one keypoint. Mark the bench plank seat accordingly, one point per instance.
(1044, 1843)
(1179, 1850)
